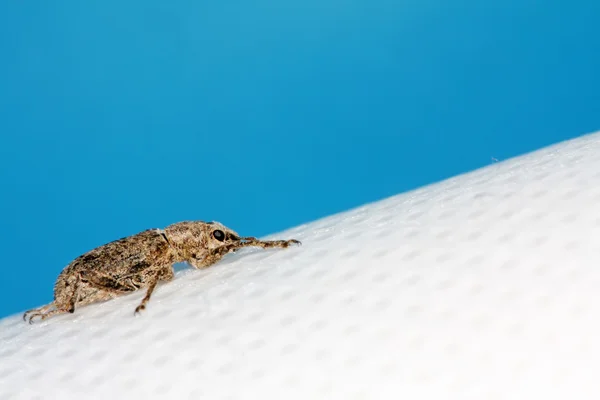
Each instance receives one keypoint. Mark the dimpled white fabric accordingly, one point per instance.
(484, 286)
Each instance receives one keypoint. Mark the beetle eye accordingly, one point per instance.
(219, 235)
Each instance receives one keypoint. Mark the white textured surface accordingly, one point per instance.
(484, 286)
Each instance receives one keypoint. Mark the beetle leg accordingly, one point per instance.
(42, 312)
(163, 274)
(151, 286)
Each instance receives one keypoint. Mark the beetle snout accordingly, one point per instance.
(232, 237)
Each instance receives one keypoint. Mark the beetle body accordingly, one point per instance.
(142, 261)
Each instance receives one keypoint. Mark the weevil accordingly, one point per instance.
(142, 261)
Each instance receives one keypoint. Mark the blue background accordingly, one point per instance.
(120, 116)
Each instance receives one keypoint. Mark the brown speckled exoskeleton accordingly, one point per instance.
(141, 261)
